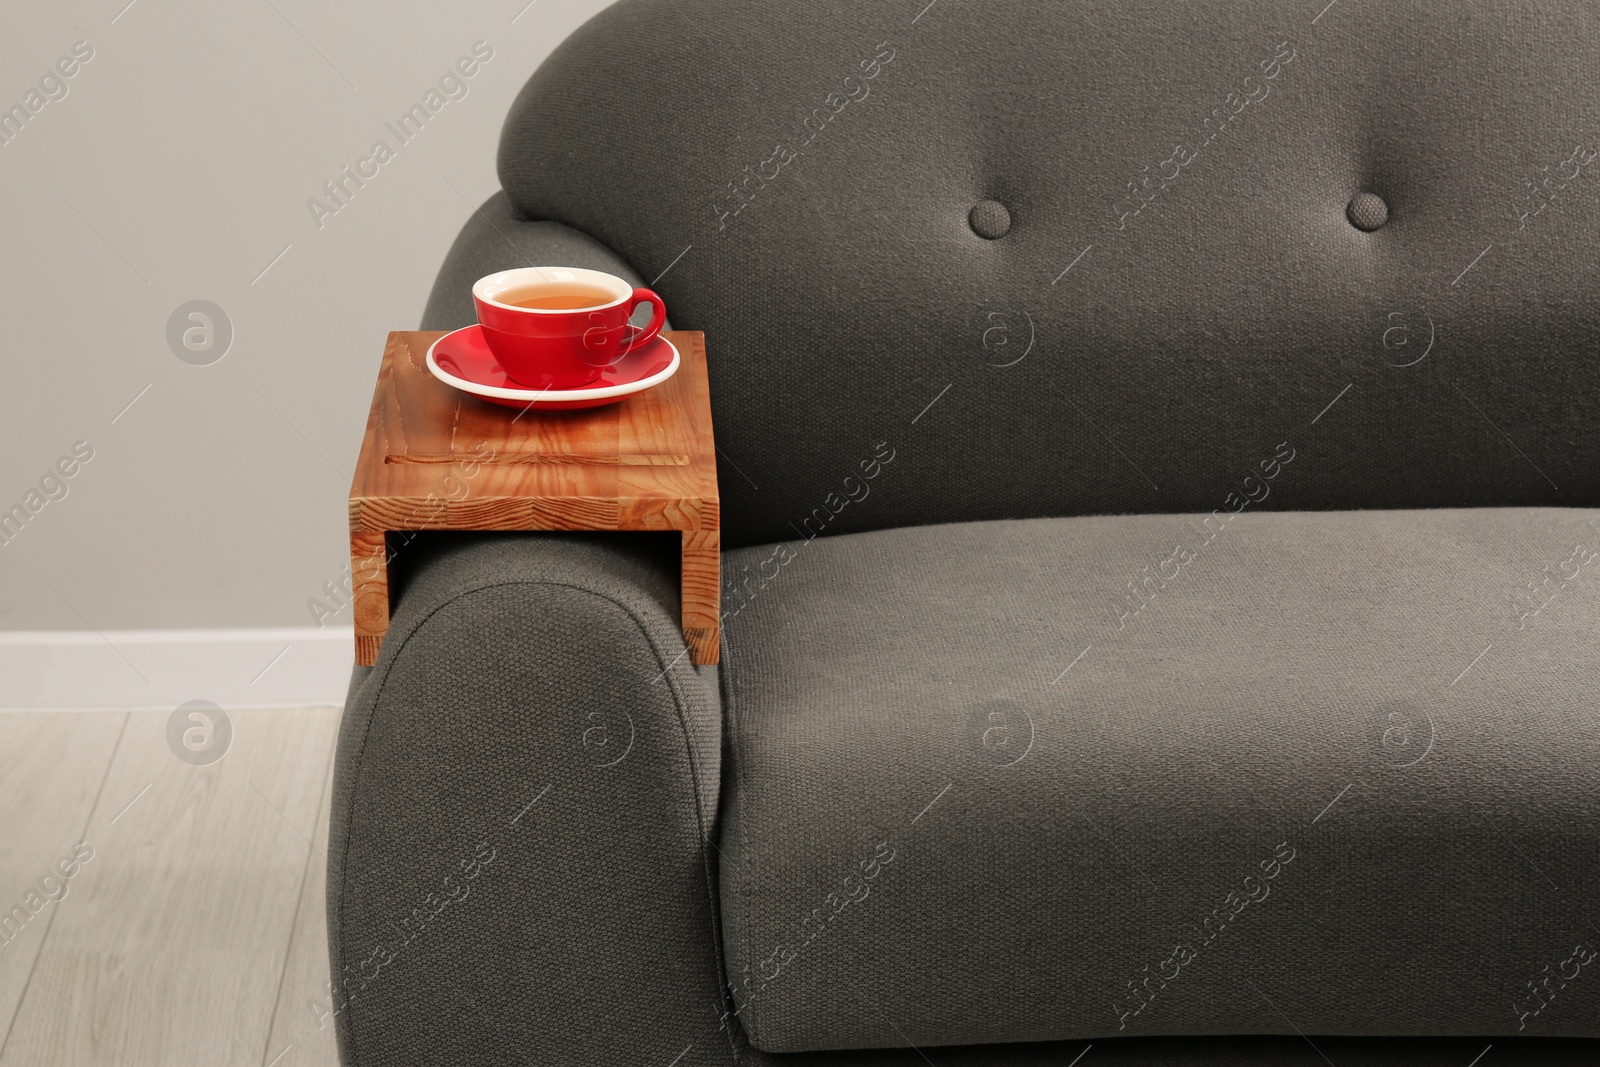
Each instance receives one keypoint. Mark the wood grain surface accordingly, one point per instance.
(435, 458)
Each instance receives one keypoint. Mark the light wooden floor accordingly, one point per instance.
(194, 932)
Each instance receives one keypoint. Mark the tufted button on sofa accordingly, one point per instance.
(1161, 489)
(990, 220)
(1367, 211)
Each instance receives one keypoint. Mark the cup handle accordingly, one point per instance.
(657, 320)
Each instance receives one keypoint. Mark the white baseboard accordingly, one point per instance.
(78, 670)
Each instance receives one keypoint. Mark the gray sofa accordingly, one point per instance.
(1161, 490)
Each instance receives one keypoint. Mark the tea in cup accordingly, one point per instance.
(559, 327)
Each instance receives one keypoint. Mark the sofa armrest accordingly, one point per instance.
(524, 797)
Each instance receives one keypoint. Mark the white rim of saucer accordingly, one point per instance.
(550, 395)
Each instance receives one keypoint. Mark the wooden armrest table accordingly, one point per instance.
(434, 458)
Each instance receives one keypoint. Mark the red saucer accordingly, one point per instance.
(462, 359)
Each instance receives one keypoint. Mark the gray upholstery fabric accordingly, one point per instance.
(590, 943)
(1332, 773)
(524, 795)
(1219, 1052)
(815, 165)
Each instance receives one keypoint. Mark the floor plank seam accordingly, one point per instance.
(294, 921)
(44, 938)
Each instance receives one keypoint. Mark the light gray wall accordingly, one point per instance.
(177, 167)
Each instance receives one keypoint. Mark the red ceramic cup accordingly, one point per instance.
(561, 347)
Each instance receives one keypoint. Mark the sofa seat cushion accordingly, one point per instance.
(1316, 773)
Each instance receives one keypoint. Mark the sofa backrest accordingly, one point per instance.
(1018, 259)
